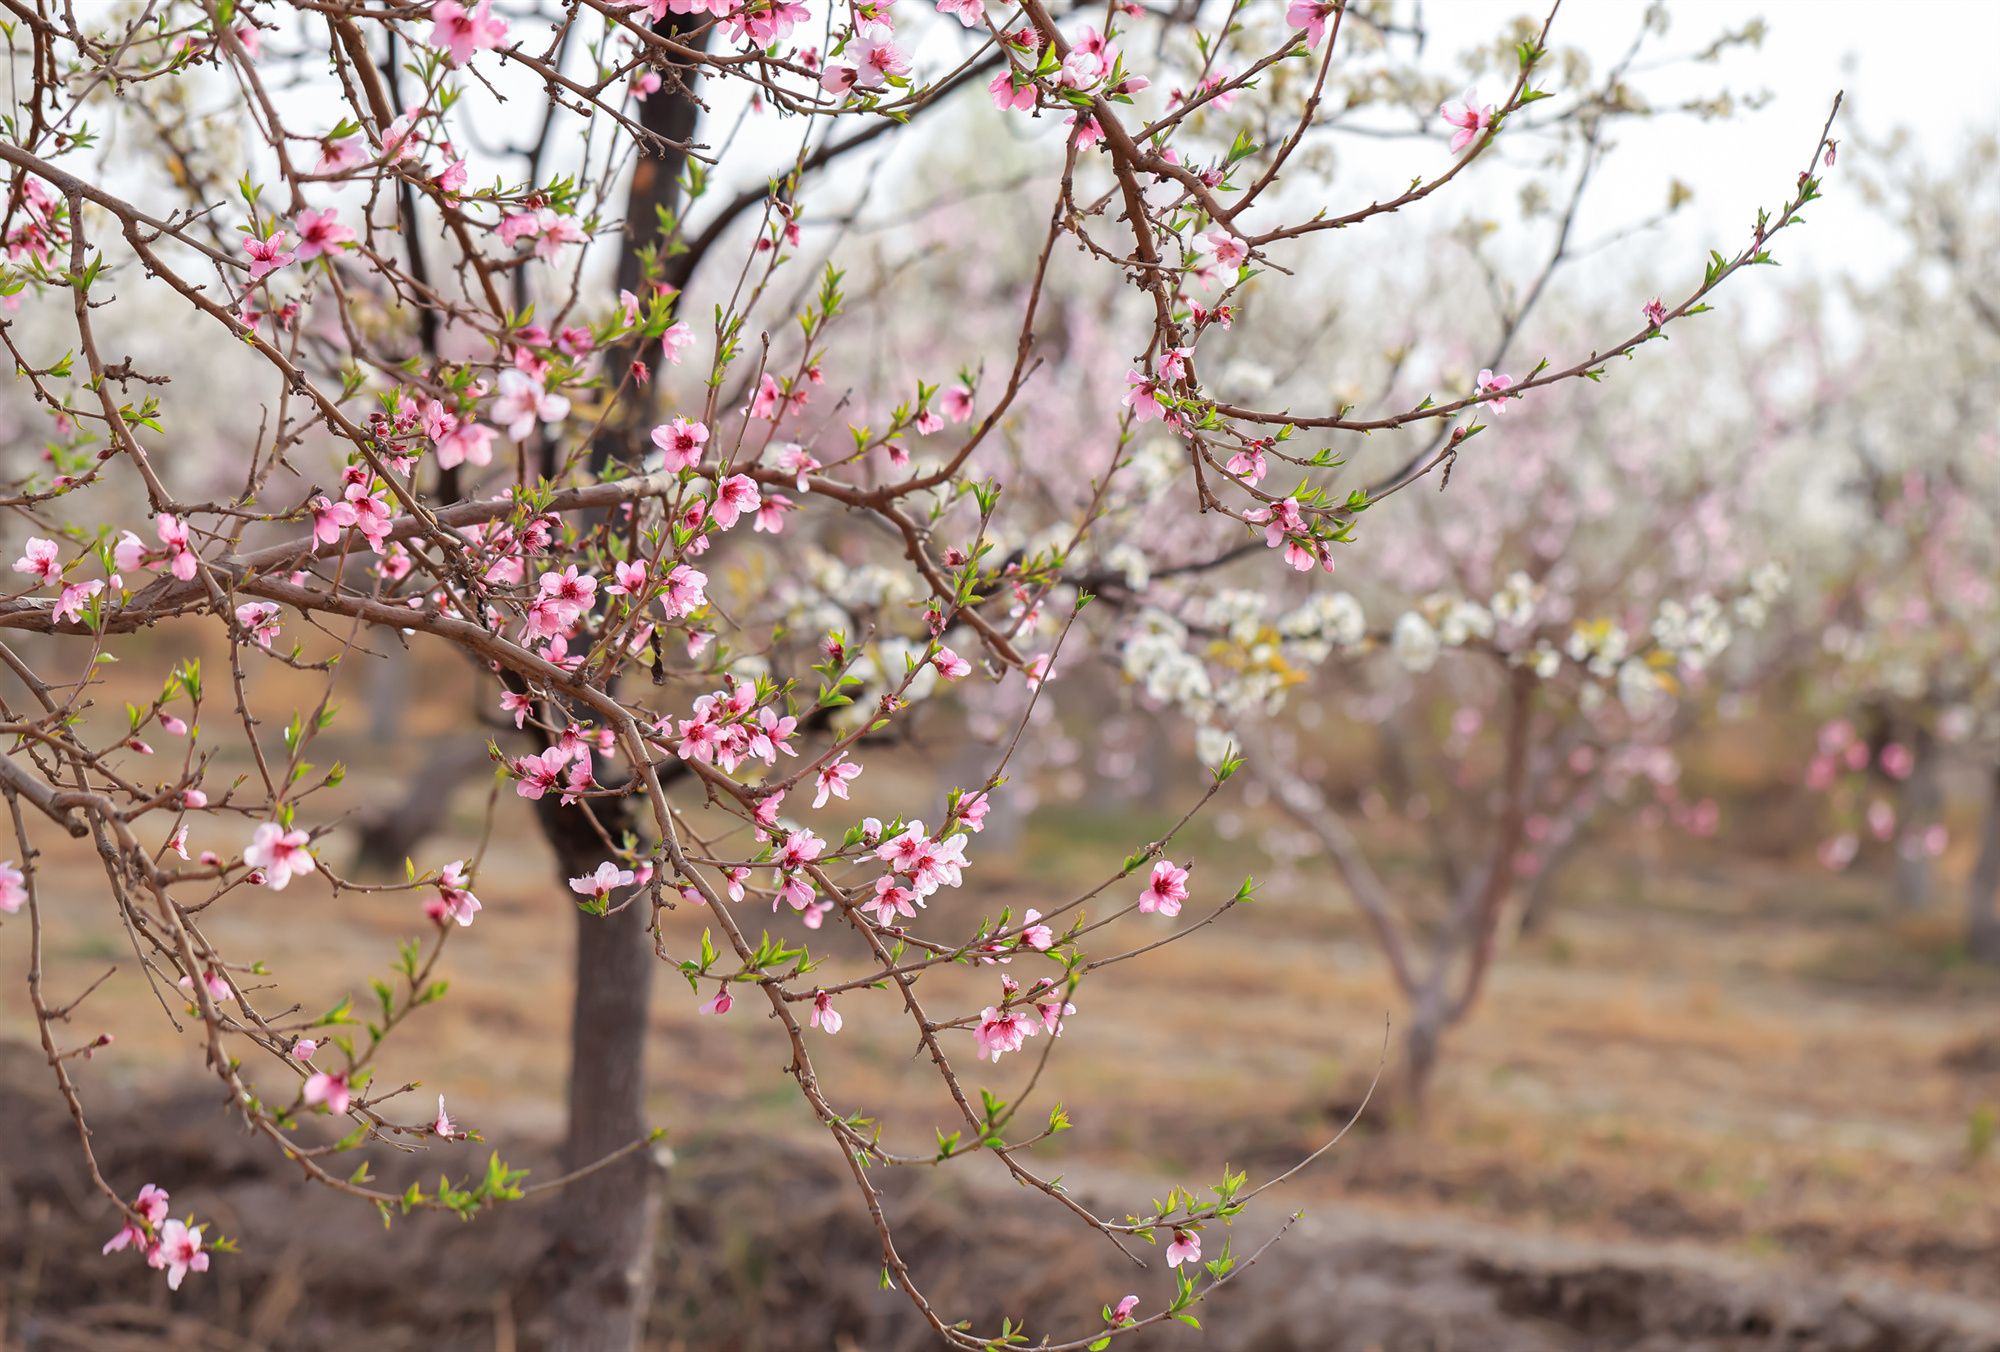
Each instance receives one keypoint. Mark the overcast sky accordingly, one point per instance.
(1922, 64)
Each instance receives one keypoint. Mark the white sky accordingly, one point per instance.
(1922, 64)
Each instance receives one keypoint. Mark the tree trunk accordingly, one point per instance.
(606, 1226)
(1982, 931)
(1422, 1044)
(606, 1223)
(1922, 805)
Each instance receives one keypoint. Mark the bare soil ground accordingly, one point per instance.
(1721, 1102)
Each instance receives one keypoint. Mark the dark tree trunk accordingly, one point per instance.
(606, 1228)
(1982, 930)
(606, 1224)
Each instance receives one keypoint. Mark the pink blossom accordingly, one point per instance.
(1655, 312)
(523, 400)
(686, 592)
(442, 1127)
(600, 884)
(13, 887)
(1003, 1030)
(151, 1204)
(1311, 15)
(1139, 397)
(69, 606)
(1493, 389)
(178, 1252)
(337, 157)
(213, 982)
(1186, 1248)
(891, 900)
(281, 854)
(38, 560)
(720, 1004)
(330, 518)
(1009, 97)
(1469, 117)
(1034, 934)
(1121, 1313)
(824, 1016)
(267, 255)
(328, 1091)
(454, 900)
(260, 620)
(832, 781)
(1167, 890)
(734, 496)
(674, 340)
(460, 31)
(681, 443)
(1223, 248)
(320, 232)
(972, 810)
(950, 665)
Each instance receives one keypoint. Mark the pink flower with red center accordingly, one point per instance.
(733, 497)
(38, 560)
(1248, 465)
(720, 1004)
(1493, 388)
(151, 1206)
(13, 887)
(267, 255)
(891, 900)
(1140, 398)
(681, 443)
(280, 854)
(1222, 249)
(824, 1016)
(832, 781)
(1121, 1314)
(950, 665)
(1003, 1030)
(454, 901)
(1468, 117)
(686, 592)
(330, 518)
(970, 13)
(540, 774)
(337, 157)
(178, 1252)
(1166, 891)
(1655, 312)
(800, 848)
(320, 232)
(1186, 1248)
(260, 620)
